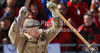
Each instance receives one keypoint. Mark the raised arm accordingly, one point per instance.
(56, 26)
(14, 26)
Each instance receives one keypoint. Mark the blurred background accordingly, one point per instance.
(83, 15)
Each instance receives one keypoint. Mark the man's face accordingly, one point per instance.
(62, 9)
(34, 31)
(5, 24)
(11, 2)
(88, 20)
